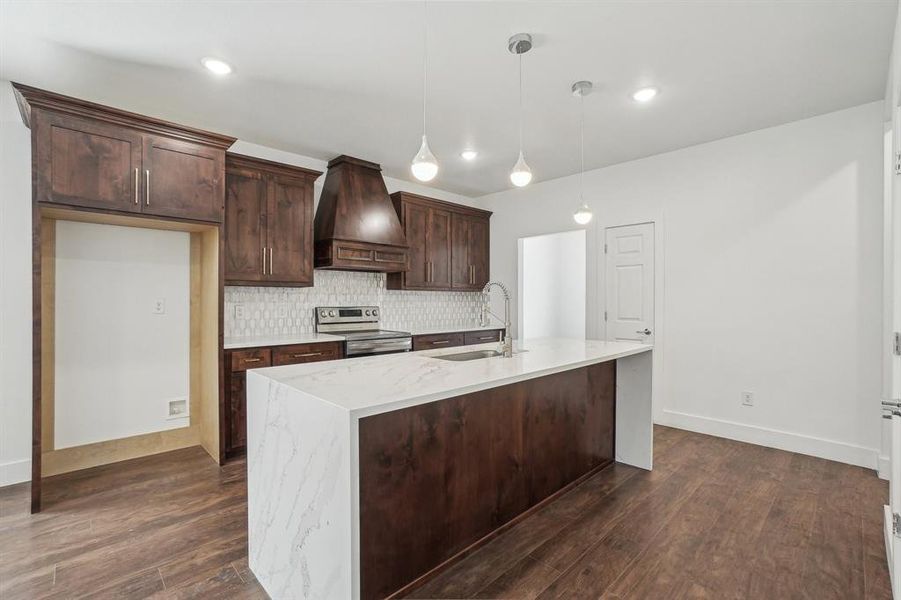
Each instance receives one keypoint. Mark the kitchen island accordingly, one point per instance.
(366, 474)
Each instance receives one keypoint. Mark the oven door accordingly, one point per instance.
(383, 346)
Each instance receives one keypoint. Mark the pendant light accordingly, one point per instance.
(521, 174)
(424, 166)
(583, 214)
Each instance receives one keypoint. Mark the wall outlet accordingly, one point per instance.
(239, 311)
(747, 398)
(159, 306)
(177, 408)
(282, 311)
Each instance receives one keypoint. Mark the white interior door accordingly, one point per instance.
(892, 391)
(630, 283)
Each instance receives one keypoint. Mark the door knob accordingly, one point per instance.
(644, 331)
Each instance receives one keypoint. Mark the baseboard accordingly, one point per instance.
(774, 438)
(15, 472)
(883, 470)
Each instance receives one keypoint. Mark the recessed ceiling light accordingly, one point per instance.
(469, 154)
(644, 94)
(219, 67)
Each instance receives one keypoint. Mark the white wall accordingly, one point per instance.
(15, 292)
(118, 362)
(771, 270)
(551, 300)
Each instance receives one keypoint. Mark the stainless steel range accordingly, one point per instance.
(359, 325)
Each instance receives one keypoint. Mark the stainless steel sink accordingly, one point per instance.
(472, 355)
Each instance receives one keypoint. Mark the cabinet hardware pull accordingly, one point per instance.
(486, 337)
(436, 342)
(247, 360)
(305, 354)
(137, 184)
(147, 176)
(472, 274)
(271, 252)
(264, 260)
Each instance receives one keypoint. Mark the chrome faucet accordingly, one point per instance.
(484, 321)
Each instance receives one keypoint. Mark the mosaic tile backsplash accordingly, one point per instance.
(270, 311)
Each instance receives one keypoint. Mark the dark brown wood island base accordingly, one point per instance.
(439, 478)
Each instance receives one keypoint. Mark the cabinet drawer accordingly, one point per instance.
(438, 340)
(482, 337)
(251, 359)
(304, 353)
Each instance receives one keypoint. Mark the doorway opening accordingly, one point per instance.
(552, 284)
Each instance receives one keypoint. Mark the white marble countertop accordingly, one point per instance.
(279, 340)
(376, 384)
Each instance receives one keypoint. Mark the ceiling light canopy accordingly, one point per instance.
(583, 214)
(424, 165)
(217, 66)
(644, 94)
(469, 154)
(521, 174)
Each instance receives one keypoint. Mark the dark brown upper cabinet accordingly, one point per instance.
(183, 180)
(268, 223)
(89, 156)
(448, 244)
(470, 247)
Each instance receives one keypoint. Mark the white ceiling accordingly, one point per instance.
(329, 78)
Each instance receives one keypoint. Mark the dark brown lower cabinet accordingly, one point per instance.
(237, 362)
(436, 341)
(438, 477)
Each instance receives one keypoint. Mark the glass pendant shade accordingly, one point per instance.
(521, 174)
(424, 165)
(583, 214)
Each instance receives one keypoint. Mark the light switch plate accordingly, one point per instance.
(239, 311)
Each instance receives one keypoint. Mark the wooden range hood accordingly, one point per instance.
(356, 226)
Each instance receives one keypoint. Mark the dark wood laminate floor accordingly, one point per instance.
(715, 519)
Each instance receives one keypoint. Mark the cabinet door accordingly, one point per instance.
(461, 274)
(416, 227)
(245, 206)
(87, 163)
(434, 341)
(289, 218)
(439, 247)
(237, 415)
(183, 180)
(479, 252)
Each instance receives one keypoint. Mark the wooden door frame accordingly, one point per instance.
(658, 221)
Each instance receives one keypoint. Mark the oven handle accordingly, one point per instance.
(368, 346)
